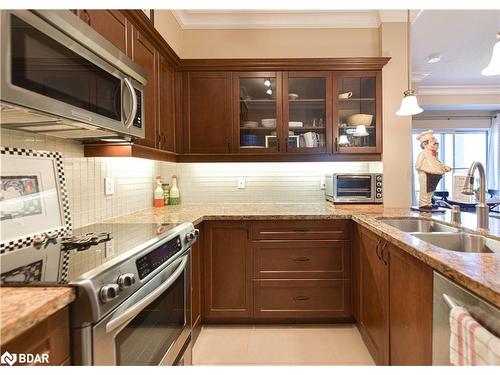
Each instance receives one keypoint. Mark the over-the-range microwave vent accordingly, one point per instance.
(18, 118)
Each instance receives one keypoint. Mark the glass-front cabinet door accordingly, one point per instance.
(307, 112)
(358, 113)
(258, 112)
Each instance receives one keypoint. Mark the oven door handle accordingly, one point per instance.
(130, 120)
(132, 312)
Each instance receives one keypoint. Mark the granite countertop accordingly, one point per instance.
(477, 272)
(22, 308)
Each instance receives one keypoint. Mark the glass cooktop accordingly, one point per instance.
(63, 259)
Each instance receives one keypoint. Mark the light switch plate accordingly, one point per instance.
(109, 186)
(322, 183)
(241, 182)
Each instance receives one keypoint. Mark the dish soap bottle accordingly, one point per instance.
(166, 196)
(158, 199)
(174, 198)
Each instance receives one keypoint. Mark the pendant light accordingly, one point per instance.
(409, 103)
(493, 68)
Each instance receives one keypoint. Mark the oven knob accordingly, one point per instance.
(379, 178)
(379, 184)
(191, 236)
(126, 280)
(109, 292)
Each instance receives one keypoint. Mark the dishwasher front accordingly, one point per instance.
(446, 295)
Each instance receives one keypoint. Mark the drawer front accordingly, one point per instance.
(301, 259)
(302, 299)
(301, 230)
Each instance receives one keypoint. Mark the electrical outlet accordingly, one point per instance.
(241, 182)
(322, 183)
(109, 186)
(109, 249)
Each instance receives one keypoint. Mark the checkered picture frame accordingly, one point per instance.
(20, 243)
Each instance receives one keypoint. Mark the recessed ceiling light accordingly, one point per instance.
(432, 59)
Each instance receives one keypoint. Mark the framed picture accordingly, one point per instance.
(150, 13)
(33, 197)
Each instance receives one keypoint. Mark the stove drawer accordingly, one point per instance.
(290, 299)
(301, 259)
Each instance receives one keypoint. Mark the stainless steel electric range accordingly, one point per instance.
(132, 285)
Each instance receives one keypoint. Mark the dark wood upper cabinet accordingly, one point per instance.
(166, 105)
(410, 309)
(228, 291)
(144, 54)
(111, 24)
(357, 115)
(207, 112)
(257, 122)
(307, 112)
(374, 297)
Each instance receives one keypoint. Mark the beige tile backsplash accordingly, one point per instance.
(198, 182)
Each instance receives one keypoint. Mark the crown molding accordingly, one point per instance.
(457, 90)
(192, 19)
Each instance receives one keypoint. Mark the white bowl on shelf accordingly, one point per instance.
(360, 119)
(268, 122)
(293, 96)
(249, 124)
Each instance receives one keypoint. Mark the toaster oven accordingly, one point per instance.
(354, 187)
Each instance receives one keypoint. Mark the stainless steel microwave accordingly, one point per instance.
(62, 78)
(354, 187)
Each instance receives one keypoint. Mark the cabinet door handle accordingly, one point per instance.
(159, 139)
(286, 144)
(301, 259)
(377, 248)
(300, 229)
(164, 140)
(336, 144)
(228, 146)
(278, 143)
(386, 262)
(87, 14)
(301, 298)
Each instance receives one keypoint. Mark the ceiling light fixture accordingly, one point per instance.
(432, 59)
(409, 104)
(493, 68)
(267, 82)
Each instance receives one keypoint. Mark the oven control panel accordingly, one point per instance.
(155, 258)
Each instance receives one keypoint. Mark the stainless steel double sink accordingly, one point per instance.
(445, 236)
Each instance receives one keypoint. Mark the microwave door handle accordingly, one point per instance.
(132, 312)
(133, 112)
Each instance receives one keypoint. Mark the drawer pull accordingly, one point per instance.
(300, 230)
(301, 259)
(301, 298)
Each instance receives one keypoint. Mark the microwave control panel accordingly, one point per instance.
(138, 120)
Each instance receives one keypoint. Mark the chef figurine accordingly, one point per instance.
(429, 168)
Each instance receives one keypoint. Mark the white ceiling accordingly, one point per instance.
(464, 38)
(276, 19)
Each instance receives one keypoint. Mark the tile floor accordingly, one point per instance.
(280, 345)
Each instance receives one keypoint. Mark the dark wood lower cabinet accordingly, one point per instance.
(373, 321)
(410, 311)
(50, 336)
(392, 301)
(302, 299)
(228, 271)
